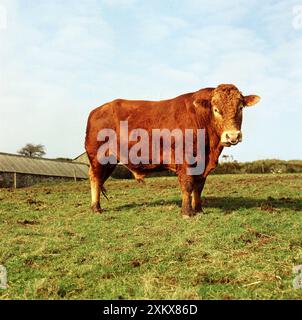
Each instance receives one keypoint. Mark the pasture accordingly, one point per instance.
(243, 247)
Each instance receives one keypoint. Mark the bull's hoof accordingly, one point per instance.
(188, 214)
(199, 211)
(96, 208)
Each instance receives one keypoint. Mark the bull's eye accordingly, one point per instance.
(216, 111)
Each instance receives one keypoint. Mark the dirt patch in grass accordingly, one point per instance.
(27, 222)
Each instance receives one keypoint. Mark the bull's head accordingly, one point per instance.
(227, 104)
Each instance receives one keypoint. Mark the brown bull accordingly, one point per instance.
(217, 110)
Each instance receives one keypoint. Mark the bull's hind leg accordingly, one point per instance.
(95, 184)
(98, 177)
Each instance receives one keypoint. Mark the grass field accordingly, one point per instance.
(243, 247)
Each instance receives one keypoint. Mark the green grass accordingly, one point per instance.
(244, 247)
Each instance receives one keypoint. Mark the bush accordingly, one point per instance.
(234, 167)
(260, 166)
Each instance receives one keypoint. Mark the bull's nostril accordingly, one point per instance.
(233, 137)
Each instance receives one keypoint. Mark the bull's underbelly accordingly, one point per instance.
(139, 171)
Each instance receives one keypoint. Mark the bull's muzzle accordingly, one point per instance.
(229, 138)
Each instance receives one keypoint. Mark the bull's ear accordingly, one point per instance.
(251, 100)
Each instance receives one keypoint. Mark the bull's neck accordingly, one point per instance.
(214, 147)
(213, 135)
(205, 120)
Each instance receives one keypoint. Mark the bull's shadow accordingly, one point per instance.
(227, 204)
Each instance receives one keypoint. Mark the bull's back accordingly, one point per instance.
(139, 114)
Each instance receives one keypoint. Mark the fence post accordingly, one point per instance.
(15, 180)
(74, 175)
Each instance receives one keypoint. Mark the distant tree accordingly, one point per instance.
(227, 158)
(32, 150)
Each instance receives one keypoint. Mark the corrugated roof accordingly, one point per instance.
(82, 158)
(79, 156)
(40, 166)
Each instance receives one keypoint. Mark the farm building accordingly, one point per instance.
(19, 171)
(82, 158)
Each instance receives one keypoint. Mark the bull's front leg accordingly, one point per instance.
(186, 184)
(197, 190)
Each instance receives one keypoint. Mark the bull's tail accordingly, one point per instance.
(104, 192)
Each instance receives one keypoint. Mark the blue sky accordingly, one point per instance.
(61, 59)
